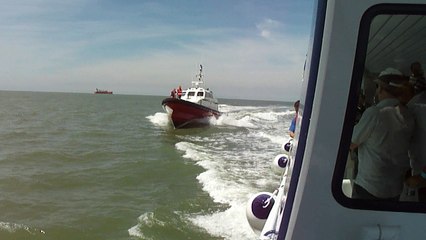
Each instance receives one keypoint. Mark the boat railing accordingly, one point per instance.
(197, 84)
(271, 227)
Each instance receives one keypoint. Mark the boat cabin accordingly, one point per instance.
(352, 43)
(200, 96)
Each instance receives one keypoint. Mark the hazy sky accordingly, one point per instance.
(249, 49)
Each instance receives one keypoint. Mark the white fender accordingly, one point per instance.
(287, 145)
(280, 162)
(258, 208)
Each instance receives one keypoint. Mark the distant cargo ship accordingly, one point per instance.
(98, 91)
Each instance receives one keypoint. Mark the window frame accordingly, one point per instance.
(348, 125)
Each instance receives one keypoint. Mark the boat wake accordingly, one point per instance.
(236, 116)
(236, 156)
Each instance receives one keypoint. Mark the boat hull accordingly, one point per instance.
(184, 114)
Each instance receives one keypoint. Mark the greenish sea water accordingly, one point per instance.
(85, 166)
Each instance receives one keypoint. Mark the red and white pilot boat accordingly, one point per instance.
(194, 108)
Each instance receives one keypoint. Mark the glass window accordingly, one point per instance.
(200, 94)
(191, 94)
(382, 156)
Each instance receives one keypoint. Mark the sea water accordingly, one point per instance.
(85, 166)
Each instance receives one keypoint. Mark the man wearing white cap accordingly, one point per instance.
(382, 137)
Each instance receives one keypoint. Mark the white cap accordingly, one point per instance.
(390, 71)
(391, 77)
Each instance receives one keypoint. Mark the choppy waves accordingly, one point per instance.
(236, 156)
(83, 166)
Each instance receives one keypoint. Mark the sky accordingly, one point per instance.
(249, 49)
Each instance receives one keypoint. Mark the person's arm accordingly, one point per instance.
(363, 128)
(292, 127)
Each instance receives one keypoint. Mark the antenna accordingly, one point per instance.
(200, 78)
(200, 75)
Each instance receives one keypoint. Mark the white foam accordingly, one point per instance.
(159, 119)
(237, 163)
(229, 108)
(230, 120)
(219, 181)
(136, 232)
(146, 219)
(15, 227)
(191, 151)
(273, 138)
(223, 224)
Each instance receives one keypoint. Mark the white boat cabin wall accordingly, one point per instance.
(200, 96)
(352, 42)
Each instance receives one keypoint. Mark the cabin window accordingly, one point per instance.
(191, 94)
(200, 94)
(381, 163)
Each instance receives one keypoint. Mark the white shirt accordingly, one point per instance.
(383, 136)
(417, 105)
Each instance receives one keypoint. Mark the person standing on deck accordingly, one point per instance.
(382, 137)
(292, 128)
(417, 105)
(173, 93)
(417, 78)
(179, 92)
